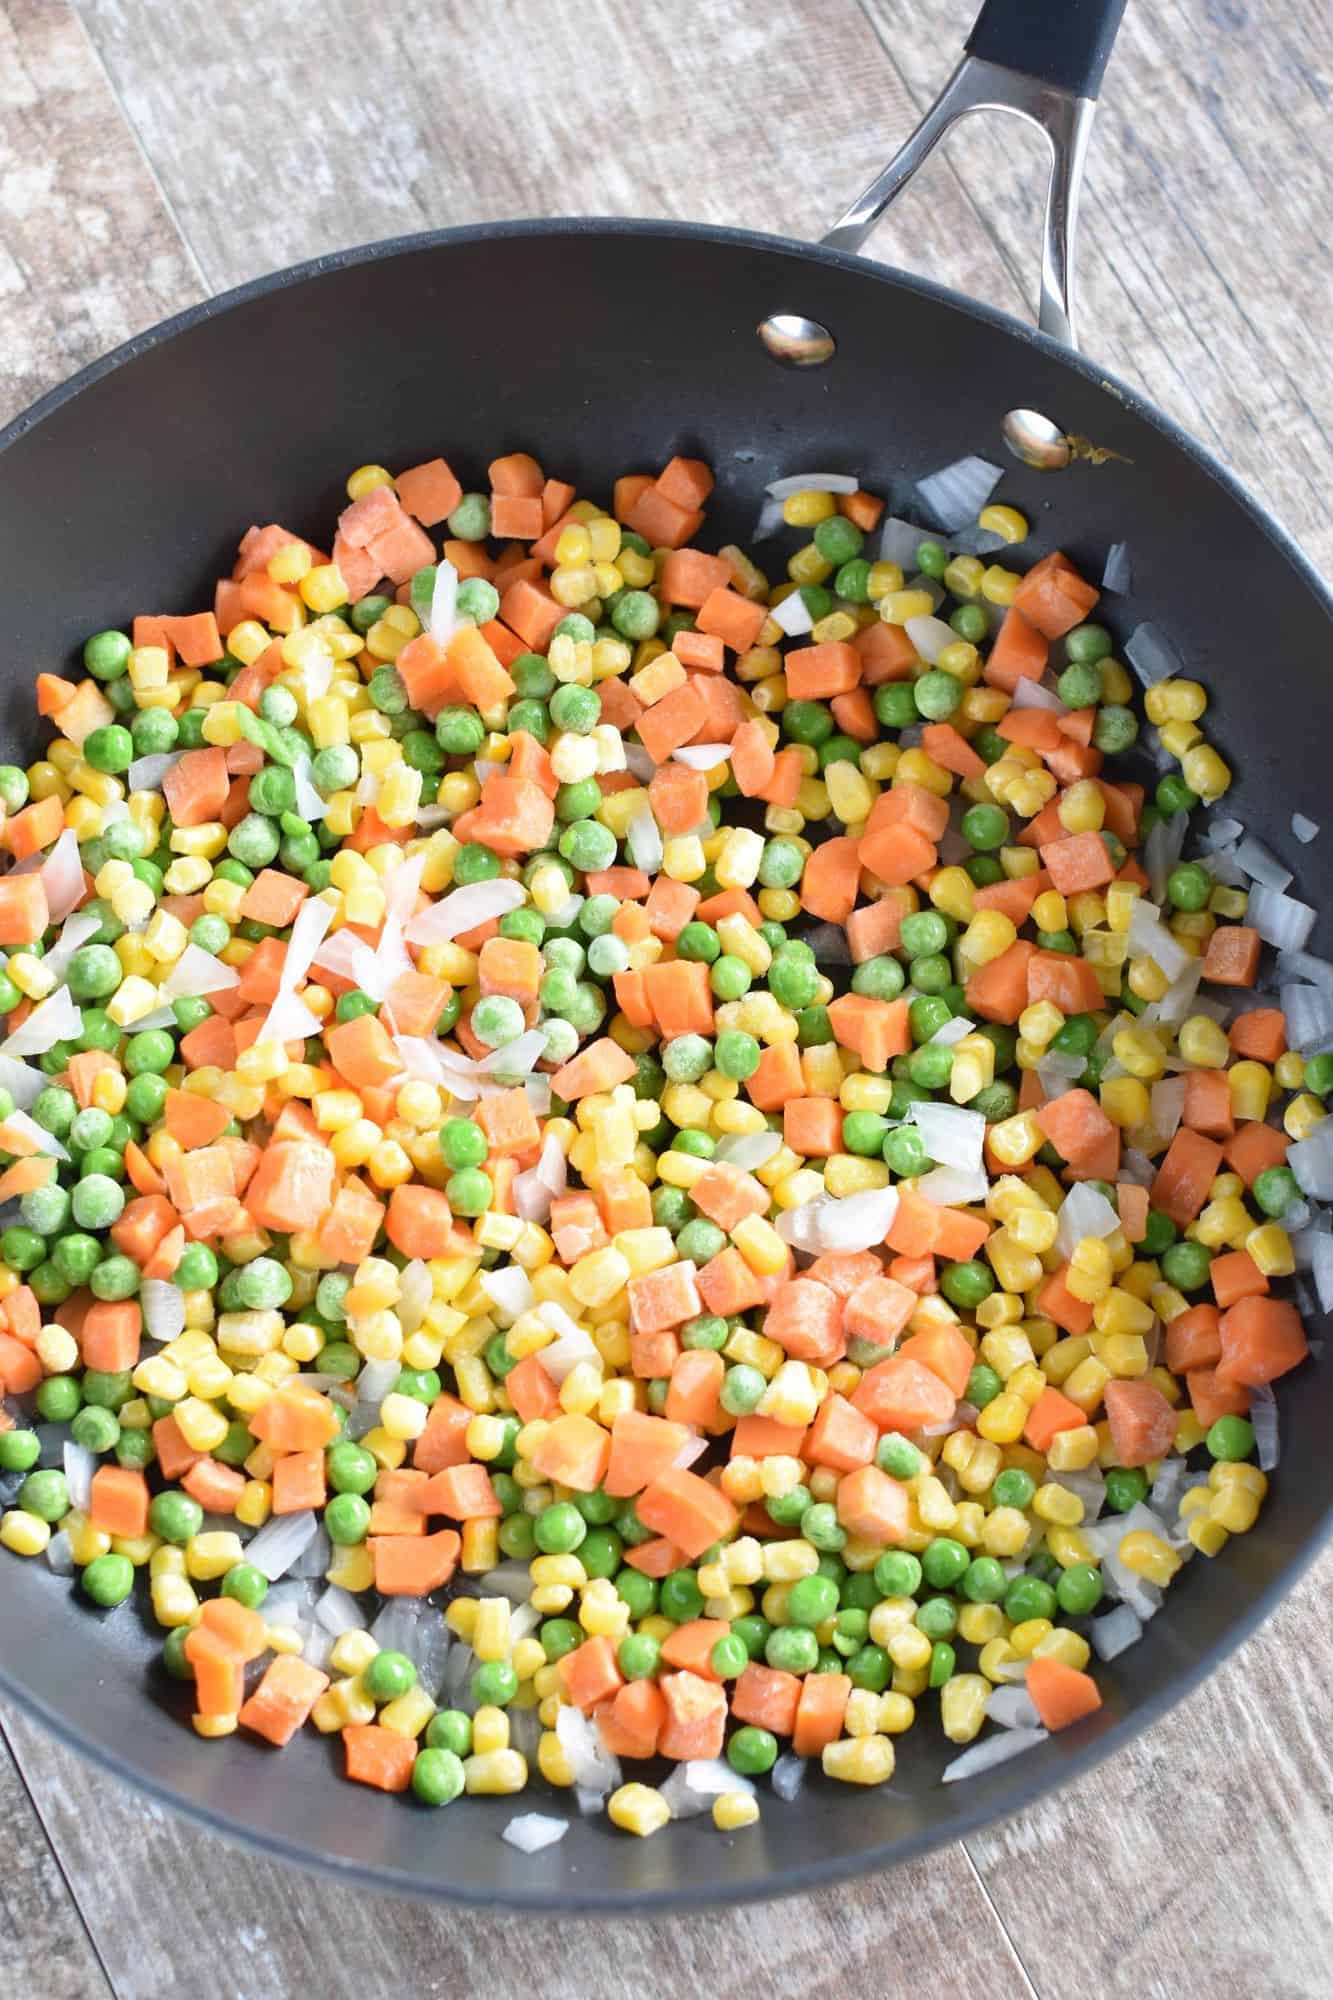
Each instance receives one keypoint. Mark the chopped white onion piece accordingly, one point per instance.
(1035, 694)
(78, 929)
(1321, 1267)
(163, 1309)
(952, 1135)
(281, 1543)
(768, 520)
(702, 756)
(693, 1447)
(1304, 965)
(1152, 655)
(61, 874)
(812, 482)
(531, 1832)
(899, 541)
(990, 1751)
(793, 615)
(1263, 1415)
(1260, 863)
(1309, 1016)
(638, 762)
(464, 909)
(1012, 1707)
(310, 801)
(801, 1227)
(338, 1611)
(24, 1083)
(1085, 1211)
(1149, 937)
(747, 1150)
(1167, 1098)
(1115, 1632)
(146, 773)
(1280, 920)
(953, 1187)
(60, 1555)
(955, 1029)
(1161, 851)
(442, 619)
(930, 636)
(198, 973)
(80, 1464)
(20, 1125)
(858, 1221)
(1118, 576)
(516, 1059)
(55, 1019)
(593, 1767)
(788, 1775)
(956, 494)
(565, 1353)
(1304, 829)
(509, 1290)
(644, 838)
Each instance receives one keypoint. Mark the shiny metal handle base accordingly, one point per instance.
(1065, 121)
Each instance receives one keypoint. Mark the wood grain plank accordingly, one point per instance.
(1200, 1860)
(88, 252)
(890, 1935)
(44, 1947)
(562, 107)
(1202, 274)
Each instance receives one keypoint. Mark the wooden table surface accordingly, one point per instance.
(152, 151)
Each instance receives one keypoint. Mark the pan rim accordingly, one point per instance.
(1027, 1784)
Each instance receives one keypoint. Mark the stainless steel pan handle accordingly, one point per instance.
(1039, 60)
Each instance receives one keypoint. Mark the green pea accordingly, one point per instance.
(944, 1562)
(1087, 644)
(94, 972)
(899, 1457)
(57, 1398)
(560, 1528)
(742, 1389)
(700, 1241)
(810, 1600)
(938, 694)
(1318, 1074)
(152, 1049)
(792, 1649)
(937, 1618)
(388, 1675)
(19, 1450)
(1029, 1597)
(1173, 795)
(966, 1285)
(984, 1580)
(1186, 1265)
(106, 655)
(635, 614)
(1078, 1590)
(246, 1585)
(895, 705)
(450, 1729)
(497, 1020)
(752, 1751)
(878, 978)
(1115, 730)
(110, 748)
(1126, 1486)
(807, 722)
(852, 582)
(838, 539)
(347, 1519)
(1230, 1438)
(175, 1516)
(985, 826)
(637, 1591)
(1276, 1188)
(1189, 886)
(1015, 1488)
(679, 1596)
(108, 1579)
(736, 1054)
(98, 1201)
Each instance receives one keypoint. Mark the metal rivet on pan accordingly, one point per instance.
(1036, 440)
(795, 341)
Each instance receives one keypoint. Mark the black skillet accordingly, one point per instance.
(126, 490)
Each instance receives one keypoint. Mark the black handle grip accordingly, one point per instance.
(1066, 43)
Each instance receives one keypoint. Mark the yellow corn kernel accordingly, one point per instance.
(1149, 1556)
(1203, 1043)
(494, 1773)
(1205, 772)
(859, 1760)
(1302, 1115)
(638, 1809)
(733, 1810)
(963, 1701)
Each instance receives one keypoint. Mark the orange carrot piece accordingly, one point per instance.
(1061, 1695)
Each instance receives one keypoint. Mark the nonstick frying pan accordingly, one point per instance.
(603, 346)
